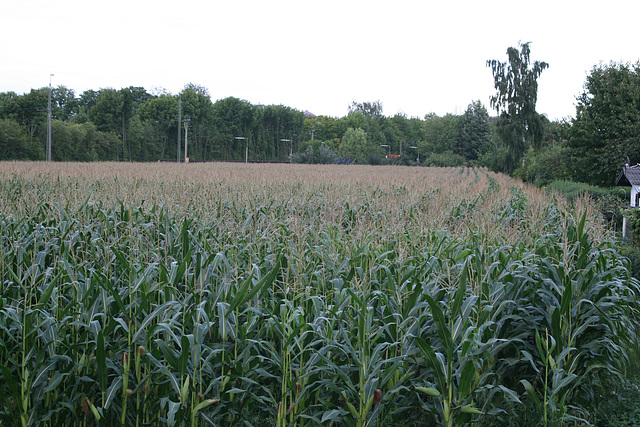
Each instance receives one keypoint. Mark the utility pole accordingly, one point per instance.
(186, 140)
(179, 127)
(246, 147)
(49, 122)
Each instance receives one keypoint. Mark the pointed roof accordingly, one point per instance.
(629, 176)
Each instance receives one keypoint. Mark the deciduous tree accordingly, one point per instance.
(15, 144)
(516, 83)
(440, 132)
(372, 110)
(474, 131)
(159, 116)
(354, 144)
(606, 128)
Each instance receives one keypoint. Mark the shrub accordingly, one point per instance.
(311, 152)
(545, 165)
(444, 159)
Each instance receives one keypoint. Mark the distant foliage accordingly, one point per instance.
(354, 144)
(319, 153)
(492, 154)
(445, 158)
(15, 143)
(606, 128)
(547, 164)
(474, 131)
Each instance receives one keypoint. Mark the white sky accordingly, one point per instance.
(416, 57)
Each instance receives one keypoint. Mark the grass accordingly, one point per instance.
(216, 294)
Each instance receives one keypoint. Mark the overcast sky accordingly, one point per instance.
(416, 57)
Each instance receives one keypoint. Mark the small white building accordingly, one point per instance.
(630, 176)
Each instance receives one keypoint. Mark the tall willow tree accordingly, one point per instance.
(516, 83)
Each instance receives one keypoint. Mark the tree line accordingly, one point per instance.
(591, 147)
(131, 124)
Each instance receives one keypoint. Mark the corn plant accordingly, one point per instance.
(146, 295)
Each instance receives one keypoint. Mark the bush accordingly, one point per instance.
(444, 159)
(544, 165)
(492, 155)
(632, 253)
(312, 152)
(571, 190)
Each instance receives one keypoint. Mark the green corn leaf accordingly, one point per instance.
(511, 395)
(352, 409)
(567, 296)
(46, 295)
(10, 382)
(184, 390)
(467, 377)
(101, 362)
(174, 407)
(333, 415)
(204, 404)
(184, 354)
(560, 382)
(528, 357)
(581, 224)
(556, 323)
(441, 326)
(154, 314)
(460, 291)
(541, 349)
(470, 409)
(531, 392)
(429, 391)
(433, 362)
(43, 373)
(112, 392)
(169, 354)
(120, 256)
(83, 205)
(106, 284)
(244, 294)
(173, 380)
(94, 410)
(367, 408)
(55, 381)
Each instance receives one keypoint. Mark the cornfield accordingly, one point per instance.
(288, 295)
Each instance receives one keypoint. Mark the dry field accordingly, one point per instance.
(382, 199)
(277, 294)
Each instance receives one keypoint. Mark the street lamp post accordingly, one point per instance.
(415, 148)
(49, 122)
(246, 147)
(186, 140)
(290, 147)
(179, 127)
